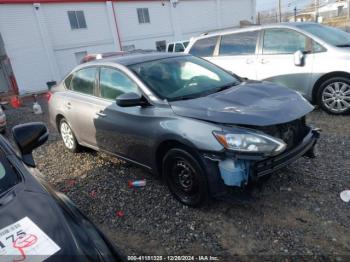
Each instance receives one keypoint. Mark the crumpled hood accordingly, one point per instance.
(250, 103)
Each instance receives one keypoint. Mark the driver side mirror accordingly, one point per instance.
(299, 58)
(28, 137)
(130, 99)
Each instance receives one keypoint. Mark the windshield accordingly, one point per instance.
(8, 175)
(332, 36)
(183, 77)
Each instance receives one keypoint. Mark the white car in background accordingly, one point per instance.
(308, 57)
(177, 47)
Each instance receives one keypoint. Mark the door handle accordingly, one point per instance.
(101, 114)
(263, 61)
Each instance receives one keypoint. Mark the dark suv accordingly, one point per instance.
(203, 129)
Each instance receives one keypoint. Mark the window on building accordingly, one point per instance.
(84, 81)
(77, 19)
(283, 41)
(204, 47)
(79, 56)
(160, 46)
(114, 83)
(143, 15)
(239, 44)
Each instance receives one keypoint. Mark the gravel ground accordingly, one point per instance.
(295, 212)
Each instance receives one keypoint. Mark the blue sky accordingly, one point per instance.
(286, 4)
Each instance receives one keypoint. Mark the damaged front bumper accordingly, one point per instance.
(238, 169)
(270, 165)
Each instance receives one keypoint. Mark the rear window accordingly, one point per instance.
(204, 47)
(239, 44)
(67, 81)
(84, 81)
(9, 176)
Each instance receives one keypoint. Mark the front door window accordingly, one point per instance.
(114, 83)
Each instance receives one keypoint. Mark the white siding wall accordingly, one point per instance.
(97, 37)
(187, 19)
(42, 45)
(24, 47)
(234, 11)
(131, 32)
(196, 17)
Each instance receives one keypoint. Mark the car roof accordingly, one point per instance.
(132, 59)
(253, 28)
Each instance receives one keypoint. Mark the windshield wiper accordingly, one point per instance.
(343, 45)
(185, 97)
(224, 87)
(208, 92)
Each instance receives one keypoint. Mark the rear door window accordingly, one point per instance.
(204, 47)
(83, 81)
(114, 83)
(179, 48)
(67, 81)
(283, 41)
(9, 176)
(239, 44)
(171, 48)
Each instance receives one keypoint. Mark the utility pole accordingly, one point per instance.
(295, 14)
(280, 11)
(316, 10)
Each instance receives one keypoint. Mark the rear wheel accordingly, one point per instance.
(334, 95)
(68, 136)
(185, 177)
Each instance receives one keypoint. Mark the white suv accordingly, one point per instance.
(307, 57)
(177, 47)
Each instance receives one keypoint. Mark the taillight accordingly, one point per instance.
(48, 96)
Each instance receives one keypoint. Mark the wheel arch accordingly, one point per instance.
(58, 119)
(324, 78)
(167, 144)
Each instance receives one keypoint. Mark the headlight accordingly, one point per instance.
(250, 142)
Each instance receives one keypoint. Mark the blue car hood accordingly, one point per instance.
(250, 103)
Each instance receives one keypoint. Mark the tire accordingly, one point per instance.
(185, 177)
(333, 95)
(68, 137)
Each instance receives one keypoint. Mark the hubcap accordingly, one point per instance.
(336, 97)
(67, 135)
(185, 175)
(183, 178)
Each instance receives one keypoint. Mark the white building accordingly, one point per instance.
(45, 39)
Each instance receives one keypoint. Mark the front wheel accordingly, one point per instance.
(334, 95)
(185, 177)
(68, 136)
